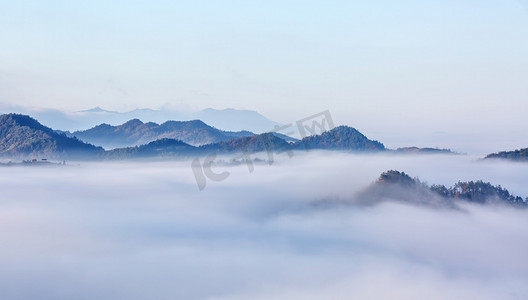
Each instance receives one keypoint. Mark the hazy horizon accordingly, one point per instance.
(475, 142)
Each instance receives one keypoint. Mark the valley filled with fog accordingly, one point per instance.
(290, 230)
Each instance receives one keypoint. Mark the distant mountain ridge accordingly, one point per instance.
(135, 132)
(236, 119)
(228, 119)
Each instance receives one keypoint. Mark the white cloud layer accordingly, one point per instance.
(144, 231)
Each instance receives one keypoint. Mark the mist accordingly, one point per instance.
(144, 230)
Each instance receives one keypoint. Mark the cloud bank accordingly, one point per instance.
(145, 231)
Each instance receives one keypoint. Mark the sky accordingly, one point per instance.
(390, 68)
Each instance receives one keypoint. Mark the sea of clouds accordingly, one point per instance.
(143, 230)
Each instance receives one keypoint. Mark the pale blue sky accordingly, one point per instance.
(405, 65)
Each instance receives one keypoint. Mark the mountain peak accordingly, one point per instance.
(196, 122)
(342, 138)
(344, 128)
(16, 117)
(133, 123)
(13, 119)
(23, 136)
(396, 177)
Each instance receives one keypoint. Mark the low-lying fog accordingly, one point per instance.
(144, 231)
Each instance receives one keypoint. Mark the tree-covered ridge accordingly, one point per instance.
(158, 148)
(479, 192)
(255, 143)
(471, 191)
(177, 148)
(23, 136)
(396, 177)
(341, 138)
(517, 155)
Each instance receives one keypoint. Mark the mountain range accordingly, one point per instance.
(24, 137)
(225, 119)
(135, 132)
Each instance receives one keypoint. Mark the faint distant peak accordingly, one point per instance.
(97, 109)
(236, 119)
